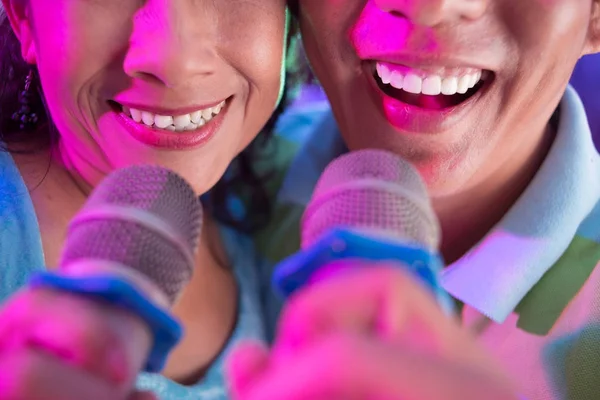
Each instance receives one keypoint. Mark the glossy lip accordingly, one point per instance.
(412, 119)
(163, 139)
(173, 112)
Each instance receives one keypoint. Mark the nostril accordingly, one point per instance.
(392, 10)
(397, 14)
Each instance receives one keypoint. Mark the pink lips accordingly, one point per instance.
(163, 139)
(418, 120)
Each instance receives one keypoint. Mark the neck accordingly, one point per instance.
(467, 216)
(83, 171)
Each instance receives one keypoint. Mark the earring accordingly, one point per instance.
(25, 117)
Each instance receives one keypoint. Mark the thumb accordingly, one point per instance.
(245, 365)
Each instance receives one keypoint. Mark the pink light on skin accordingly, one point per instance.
(168, 59)
(391, 36)
(304, 329)
(247, 363)
(73, 336)
(379, 36)
(55, 339)
(412, 332)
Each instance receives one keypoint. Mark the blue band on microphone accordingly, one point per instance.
(339, 244)
(166, 331)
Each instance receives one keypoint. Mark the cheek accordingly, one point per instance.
(76, 41)
(61, 45)
(557, 28)
(330, 49)
(257, 54)
(73, 52)
(60, 76)
(260, 57)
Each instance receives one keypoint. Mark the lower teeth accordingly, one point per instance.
(190, 127)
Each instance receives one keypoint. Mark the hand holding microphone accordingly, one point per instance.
(86, 330)
(367, 318)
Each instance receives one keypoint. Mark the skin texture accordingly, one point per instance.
(476, 161)
(532, 64)
(369, 334)
(155, 54)
(374, 334)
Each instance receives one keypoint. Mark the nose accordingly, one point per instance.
(170, 44)
(435, 12)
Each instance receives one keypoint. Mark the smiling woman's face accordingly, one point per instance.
(186, 84)
(455, 86)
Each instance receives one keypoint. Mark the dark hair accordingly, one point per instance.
(243, 180)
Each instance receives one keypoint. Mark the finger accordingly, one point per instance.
(373, 299)
(29, 374)
(355, 367)
(245, 365)
(80, 331)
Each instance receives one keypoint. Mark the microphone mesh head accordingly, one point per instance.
(375, 191)
(157, 191)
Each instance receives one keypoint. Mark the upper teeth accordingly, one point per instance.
(179, 123)
(432, 85)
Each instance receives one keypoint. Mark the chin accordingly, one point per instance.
(201, 172)
(444, 176)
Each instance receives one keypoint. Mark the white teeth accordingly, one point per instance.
(196, 116)
(147, 118)
(384, 73)
(179, 123)
(136, 115)
(217, 109)
(431, 85)
(449, 86)
(463, 84)
(412, 84)
(396, 80)
(162, 121)
(475, 78)
(182, 121)
(207, 114)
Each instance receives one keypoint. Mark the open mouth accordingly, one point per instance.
(430, 91)
(172, 123)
